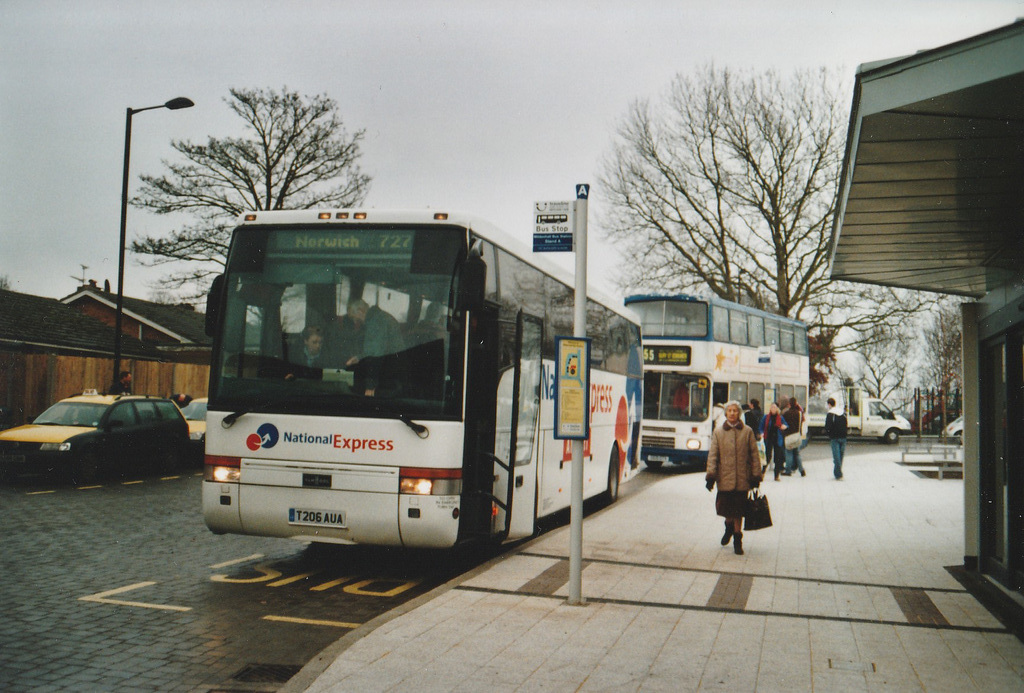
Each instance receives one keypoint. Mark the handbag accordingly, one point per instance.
(793, 440)
(756, 513)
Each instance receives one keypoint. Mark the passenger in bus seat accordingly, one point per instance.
(366, 336)
(310, 361)
(346, 334)
(681, 398)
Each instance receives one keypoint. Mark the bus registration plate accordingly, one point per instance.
(316, 518)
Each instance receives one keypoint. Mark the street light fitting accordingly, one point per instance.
(180, 102)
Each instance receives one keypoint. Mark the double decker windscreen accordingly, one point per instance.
(338, 319)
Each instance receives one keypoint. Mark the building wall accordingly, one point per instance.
(1000, 435)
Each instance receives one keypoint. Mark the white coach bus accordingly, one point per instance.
(386, 377)
(700, 353)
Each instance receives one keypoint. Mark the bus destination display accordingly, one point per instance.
(676, 356)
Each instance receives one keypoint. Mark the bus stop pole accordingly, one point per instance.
(579, 330)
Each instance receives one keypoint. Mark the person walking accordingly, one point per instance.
(735, 466)
(835, 429)
(752, 417)
(772, 427)
(794, 417)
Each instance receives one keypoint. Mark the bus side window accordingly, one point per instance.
(756, 391)
(738, 392)
(720, 393)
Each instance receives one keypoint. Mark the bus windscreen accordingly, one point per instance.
(341, 320)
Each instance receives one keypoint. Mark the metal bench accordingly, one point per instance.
(942, 457)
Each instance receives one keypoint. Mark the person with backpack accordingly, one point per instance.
(835, 429)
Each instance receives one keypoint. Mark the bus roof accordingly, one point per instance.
(713, 300)
(427, 215)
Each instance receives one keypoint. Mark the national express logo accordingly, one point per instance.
(266, 436)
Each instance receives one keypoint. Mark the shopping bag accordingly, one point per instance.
(757, 514)
(793, 440)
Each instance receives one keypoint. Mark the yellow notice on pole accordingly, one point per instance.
(572, 388)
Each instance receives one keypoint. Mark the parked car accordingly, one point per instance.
(956, 428)
(81, 437)
(195, 414)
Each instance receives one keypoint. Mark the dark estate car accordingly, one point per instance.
(81, 437)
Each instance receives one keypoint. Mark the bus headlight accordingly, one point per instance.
(222, 468)
(430, 482)
(693, 444)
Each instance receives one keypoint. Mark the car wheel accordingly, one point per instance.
(86, 469)
(891, 437)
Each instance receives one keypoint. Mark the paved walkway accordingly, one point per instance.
(847, 592)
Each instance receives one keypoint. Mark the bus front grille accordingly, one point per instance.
(658, 441)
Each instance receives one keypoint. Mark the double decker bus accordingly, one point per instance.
(702, 352)
(387, 377)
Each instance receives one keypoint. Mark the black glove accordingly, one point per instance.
(710, 484)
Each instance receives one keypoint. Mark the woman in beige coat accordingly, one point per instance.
(735, 465)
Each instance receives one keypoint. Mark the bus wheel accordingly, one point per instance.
(612, 494)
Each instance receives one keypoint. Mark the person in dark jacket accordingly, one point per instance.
(794, 417)
(835, 429)
(735, 465)
(123, 386)
(772, 431)
(752, 417)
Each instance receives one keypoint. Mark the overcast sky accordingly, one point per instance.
(469, 105)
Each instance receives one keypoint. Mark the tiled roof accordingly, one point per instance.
(181, 321)
(48, 323)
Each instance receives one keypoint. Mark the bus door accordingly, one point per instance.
(515, 472)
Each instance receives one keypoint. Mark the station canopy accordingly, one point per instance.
(932, 189)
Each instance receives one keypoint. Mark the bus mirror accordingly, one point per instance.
(472, 277)
(214, 301)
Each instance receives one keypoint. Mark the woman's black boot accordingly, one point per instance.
(728, 533)
(737, 543)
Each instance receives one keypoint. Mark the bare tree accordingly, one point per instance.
(729, 186)
(942, 336)
(296, 155)
(884, 364)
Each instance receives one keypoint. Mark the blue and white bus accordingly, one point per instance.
(702, 352)
(436, 428)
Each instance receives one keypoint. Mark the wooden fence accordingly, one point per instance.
(29, 383)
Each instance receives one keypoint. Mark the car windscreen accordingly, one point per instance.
(72, 414)
(194, 411)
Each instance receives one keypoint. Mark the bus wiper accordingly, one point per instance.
(419, 429)
(229, 420)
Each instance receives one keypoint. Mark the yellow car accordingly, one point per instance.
(80, 437)
(195, 415)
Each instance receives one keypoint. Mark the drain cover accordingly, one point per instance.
(851, 666)
(273, 673)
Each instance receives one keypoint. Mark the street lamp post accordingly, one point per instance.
(174, 105)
